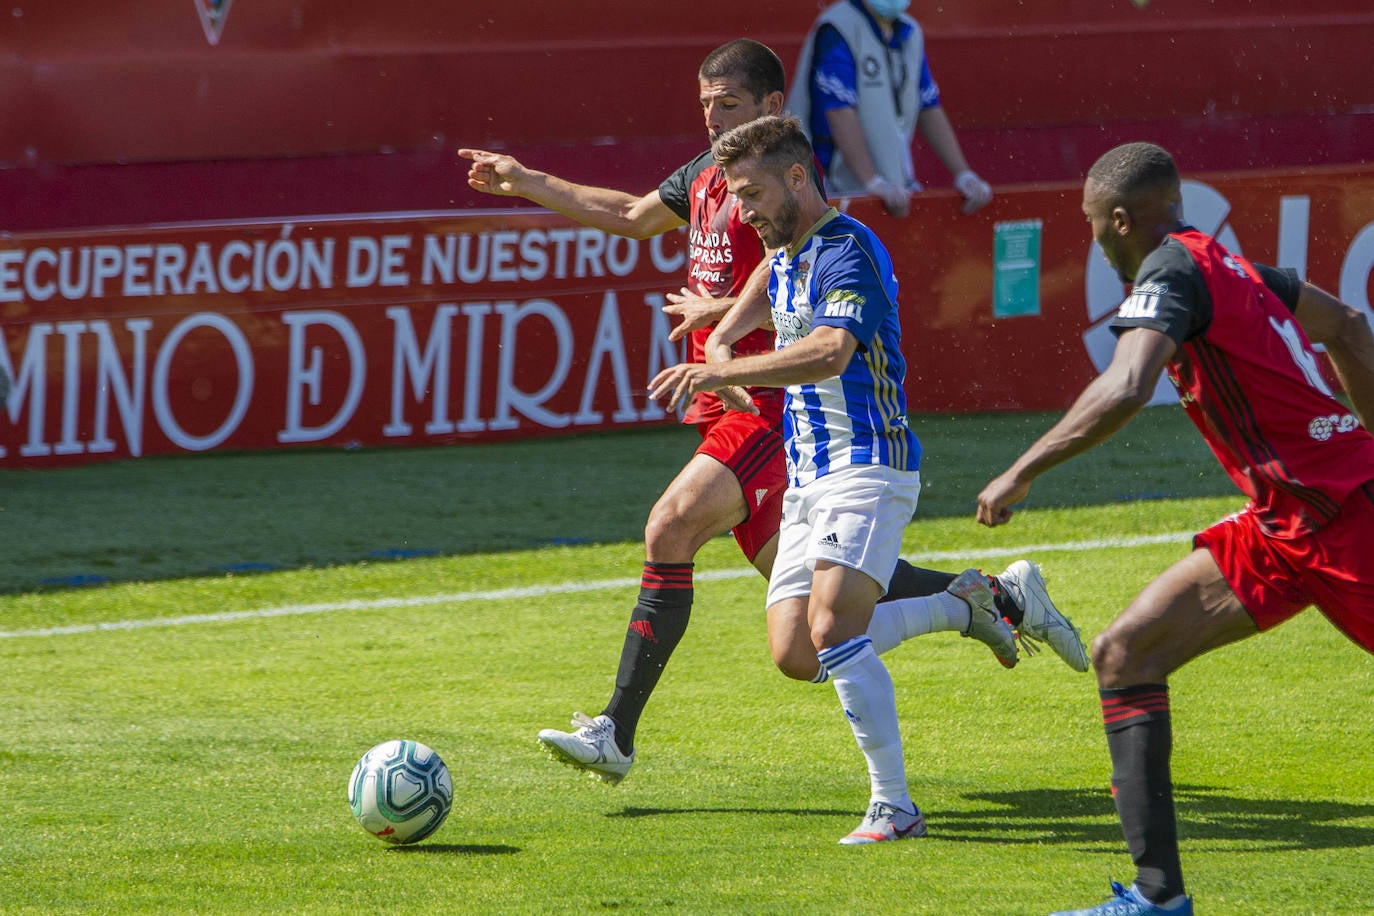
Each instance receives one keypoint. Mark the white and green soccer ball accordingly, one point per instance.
(400, 791)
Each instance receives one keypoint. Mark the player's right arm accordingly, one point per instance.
(1106, 405)
(616, 212)
(696, 312)
(1345, 333)
(750, 310)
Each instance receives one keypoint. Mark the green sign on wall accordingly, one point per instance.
(1016, 268)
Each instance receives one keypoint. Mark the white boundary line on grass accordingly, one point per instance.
(555, 588)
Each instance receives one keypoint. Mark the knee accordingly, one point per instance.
(796, 664)
(799, 672)
(824, 633)
(790, 646)
(664, 532)
(1119, 662)
(1107, 655)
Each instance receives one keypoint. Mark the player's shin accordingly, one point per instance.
(894, 622)
(1140, 738)
(656, 627)
(869, 702)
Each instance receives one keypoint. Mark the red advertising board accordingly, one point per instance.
(368, 330)
(212, 314)
(432, 328)
(969, 352)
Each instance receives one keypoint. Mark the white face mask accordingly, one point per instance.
(888, 9)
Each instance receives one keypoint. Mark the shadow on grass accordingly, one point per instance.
(1087, 818)
(457, 849)
(664, 812)
(1205, 813)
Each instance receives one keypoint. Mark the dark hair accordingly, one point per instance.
(778, 142)
(1132, 169)
(754, 64)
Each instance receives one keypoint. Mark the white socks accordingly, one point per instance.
(894, 622)
(866, 694)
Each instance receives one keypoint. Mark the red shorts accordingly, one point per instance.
(751, 446)
(1276, 578)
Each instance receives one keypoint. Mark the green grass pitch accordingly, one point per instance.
(179, 738)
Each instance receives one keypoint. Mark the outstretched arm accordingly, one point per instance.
(616, 212)
(1106, 405)
(1345, 333)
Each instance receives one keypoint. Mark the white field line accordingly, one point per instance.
(554, 588)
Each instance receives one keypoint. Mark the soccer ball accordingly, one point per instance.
(400, 792)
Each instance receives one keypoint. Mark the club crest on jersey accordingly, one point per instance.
(213, 15)
(843, 303)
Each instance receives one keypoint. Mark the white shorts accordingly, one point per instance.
(854, 517)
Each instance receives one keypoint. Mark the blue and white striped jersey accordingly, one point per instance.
(841, 275)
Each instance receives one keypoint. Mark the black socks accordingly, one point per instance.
(1140, 738)
(914, 582)
(656, 627)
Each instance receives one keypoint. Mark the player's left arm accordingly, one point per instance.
(702, 311)
(1105, 406)
(821, 354)
(1345, 333)
(750, 310)
(696, 312)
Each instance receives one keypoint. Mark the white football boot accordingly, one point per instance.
(1042, 620)
(590, 747)
(984, 623)
(886, 822)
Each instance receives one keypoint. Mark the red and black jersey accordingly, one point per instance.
(722, 252)
(1249, 380)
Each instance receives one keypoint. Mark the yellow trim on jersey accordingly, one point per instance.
(796, 247)
(887, 394)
